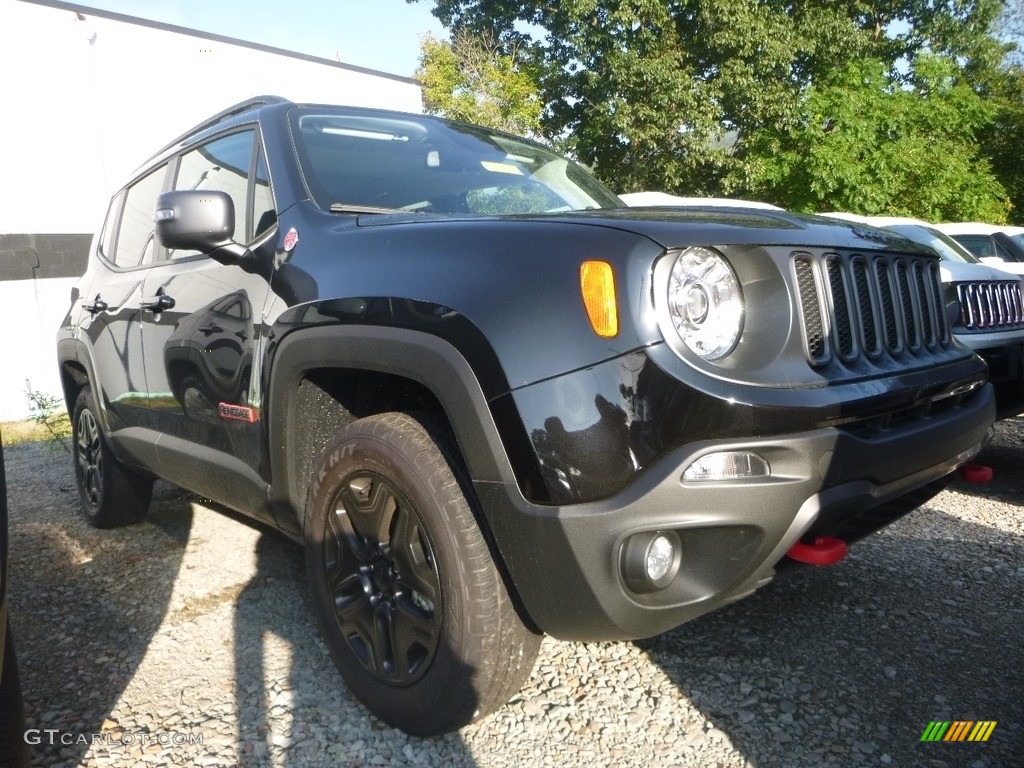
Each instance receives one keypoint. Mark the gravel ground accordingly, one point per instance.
(189, 640)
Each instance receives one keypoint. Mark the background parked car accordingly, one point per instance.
(647, 199)
(993, 244)
(13, 752)
(991, 319)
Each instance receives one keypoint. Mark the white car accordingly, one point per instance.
(995, 244)
(650, 199)
(991, 317)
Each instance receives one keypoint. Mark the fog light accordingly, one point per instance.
(660, 557)
(651, 560)
(727, 465)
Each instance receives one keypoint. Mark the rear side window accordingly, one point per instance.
(108, 236)
(135, 237)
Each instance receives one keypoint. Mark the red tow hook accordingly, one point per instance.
(825, 550)
(976, 473)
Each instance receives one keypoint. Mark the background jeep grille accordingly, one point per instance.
(857, 306)
(990, 305)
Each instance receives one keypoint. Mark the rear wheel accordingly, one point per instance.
(112, 495)
(415, 612)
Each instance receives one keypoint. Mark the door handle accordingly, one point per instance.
(211, 328)
(157, 303)
(97, 305)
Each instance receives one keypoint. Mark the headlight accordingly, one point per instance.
(705, 302)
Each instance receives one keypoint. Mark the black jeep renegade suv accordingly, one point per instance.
(490, 400)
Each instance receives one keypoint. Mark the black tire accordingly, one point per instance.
(112, 495)
(415, 612)
(13, 750)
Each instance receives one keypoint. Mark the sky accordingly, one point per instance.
(377, 34)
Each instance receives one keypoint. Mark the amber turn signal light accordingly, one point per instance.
(597, 284)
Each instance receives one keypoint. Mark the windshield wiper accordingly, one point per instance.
(349, 208)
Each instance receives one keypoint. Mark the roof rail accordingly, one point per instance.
(236, 109)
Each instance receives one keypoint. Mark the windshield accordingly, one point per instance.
(947, 247)
(362, 161)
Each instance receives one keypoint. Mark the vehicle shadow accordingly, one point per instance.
(840, 666)
(848, 665)
(293, 706)
(86, 602)
(171, 627)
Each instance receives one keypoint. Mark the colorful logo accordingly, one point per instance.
(958, 730)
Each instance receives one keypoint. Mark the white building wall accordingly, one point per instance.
(30, 313)
(87, 99)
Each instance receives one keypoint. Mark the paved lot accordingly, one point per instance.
(189, 640)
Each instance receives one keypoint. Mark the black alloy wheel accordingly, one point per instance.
(383, 577)
(112, 494)
(89, 453)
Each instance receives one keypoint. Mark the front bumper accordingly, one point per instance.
(993, 340)
(565, 561)
(1005, 363)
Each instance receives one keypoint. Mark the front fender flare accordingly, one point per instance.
(415, 355)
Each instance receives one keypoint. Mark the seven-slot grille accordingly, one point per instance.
(858, 306)
(990, 305)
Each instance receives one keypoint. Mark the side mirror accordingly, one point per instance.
(199, 220)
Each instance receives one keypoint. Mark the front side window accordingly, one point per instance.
(264, 213)
(223, 165)
(135, 237)
(355, 160)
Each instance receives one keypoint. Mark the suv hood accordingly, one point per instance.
(679, 227)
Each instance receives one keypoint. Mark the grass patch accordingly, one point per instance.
(48, 412)
(28, 431)
(48, 421)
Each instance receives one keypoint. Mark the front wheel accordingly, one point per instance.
(414, 610)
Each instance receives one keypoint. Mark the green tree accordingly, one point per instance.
(471, 79)
(650, 93)
(688, 96)
(1002, 140)
(875, 146)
